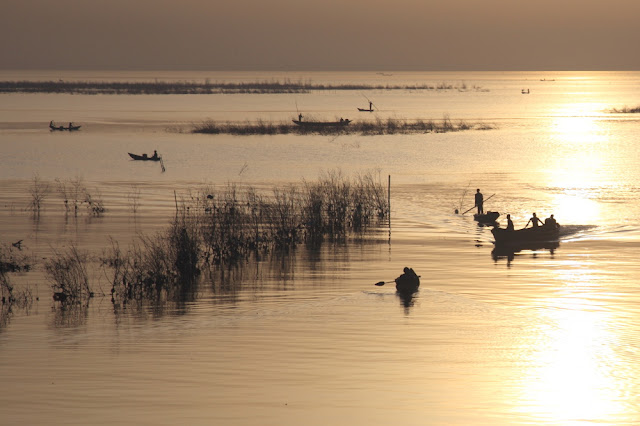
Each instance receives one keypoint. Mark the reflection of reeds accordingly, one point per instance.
(378, 126)
(206, 87)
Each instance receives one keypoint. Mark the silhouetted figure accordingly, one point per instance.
(535, 220)
(370, 106)
(509, 223)
(70, 125)
(155, 154)
(479, 201)
(299, 117)
(550, 222)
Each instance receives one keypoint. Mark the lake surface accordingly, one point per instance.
(546, 336)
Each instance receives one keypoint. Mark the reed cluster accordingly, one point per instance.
(626, 110)
(67, 273)
(207, 87)
(389, 126)
(155, 267)
(230, 224)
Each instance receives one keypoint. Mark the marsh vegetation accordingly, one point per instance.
(378, 126)
(626, 110)
(213, 227)
(207, 87)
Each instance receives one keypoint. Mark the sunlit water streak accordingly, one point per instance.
(544, 336)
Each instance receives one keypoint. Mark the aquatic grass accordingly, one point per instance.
(157, 266)
(229, 225)
(39, 191)
(286, 86)
(68, 276)
(378, 126)
(74, 193)
(626, 110)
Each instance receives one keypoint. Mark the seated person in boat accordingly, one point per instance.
(509, 223)
(550, 222)
(535, 220)
(155, 154)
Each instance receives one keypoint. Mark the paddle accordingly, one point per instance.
(381, 283)
(475, 206)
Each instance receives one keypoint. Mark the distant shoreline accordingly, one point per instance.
(207, 87)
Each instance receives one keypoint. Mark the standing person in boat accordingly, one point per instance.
(299, 117)
(535, 220)
(479, 201)
(509, 223)
(550, 222)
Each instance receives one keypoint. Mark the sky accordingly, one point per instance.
(292, 35)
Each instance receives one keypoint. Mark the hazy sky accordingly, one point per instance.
(320, 35)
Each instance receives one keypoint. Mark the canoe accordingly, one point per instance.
(526, 235)
(365, 109)
(144, 157)
(322, 123)
(54, 127)
(488, 217)
(407, 282)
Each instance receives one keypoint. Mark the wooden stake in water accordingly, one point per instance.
(389, 199)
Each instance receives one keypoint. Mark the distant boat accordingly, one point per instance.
(488, 217)
(144, 157)
(525, 92)
(370, 109)
(71, 127)
(342, 122)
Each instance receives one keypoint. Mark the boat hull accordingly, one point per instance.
(322, 123)
(525, 236)
(488, 217)
(408, 282)
(143, 158)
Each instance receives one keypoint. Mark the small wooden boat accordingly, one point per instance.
(526, 235)
(70, 128)
(407, 282)
(488, 217)
(365, 109)
(144, 157)
(342, 122)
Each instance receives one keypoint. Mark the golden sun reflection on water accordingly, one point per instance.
(573, 375)
(579, 166)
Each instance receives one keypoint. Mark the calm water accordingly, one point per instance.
(538, 337)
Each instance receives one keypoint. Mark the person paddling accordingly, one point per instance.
(535, 220)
